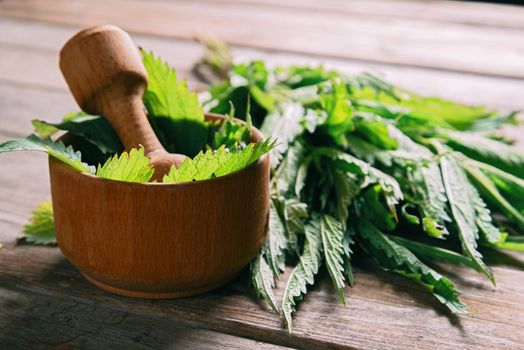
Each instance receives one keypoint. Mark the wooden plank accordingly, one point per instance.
(451, 46)
(30, 49)
(383, 313)
(42, 321)
(470, 13)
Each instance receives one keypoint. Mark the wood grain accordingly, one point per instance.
(30, 49)
(443, 46)
(382, 312)
(469, 13)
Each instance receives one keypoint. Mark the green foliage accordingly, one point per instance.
(334, 99)
(55, 149)
(304, 273)
(262, 280)
(94, 129)
(352, 149)
(211, 164)
(174, 112)
(129, 167)
(332, 233)
(464, 207)
(486, 150)
(166, 96)
(274, 248)
(397, 258)
(231, 133)
(40, 229)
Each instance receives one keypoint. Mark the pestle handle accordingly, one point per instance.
(105, 73)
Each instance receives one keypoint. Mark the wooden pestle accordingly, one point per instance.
(105, 74)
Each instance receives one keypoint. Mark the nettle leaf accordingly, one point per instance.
(396, 258)
(231, 133)
(275, 247)
(305, 271)
(423, 180)
(426, 109)
(166, 96)
(515, 243)
(334, 99)
(211, 164)
(509, 185)
(283, 125)
(40, 229)
(332, 233)
(463, 206)
(94, 129)
(486, 150)
(369, 174)
(489, 191)
(295, 213)
(262, 279)
(347, 187)
(374, 129)
(287, 179)
(55, 149)
(130, 167)
(431, 253)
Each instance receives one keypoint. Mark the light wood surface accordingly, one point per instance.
(469, 52)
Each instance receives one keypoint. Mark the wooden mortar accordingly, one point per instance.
(153, 240)
(161, 240)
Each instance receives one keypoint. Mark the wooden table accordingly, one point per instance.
(473, 53)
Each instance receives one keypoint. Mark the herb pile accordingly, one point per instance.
(406, 179)
(361, 164)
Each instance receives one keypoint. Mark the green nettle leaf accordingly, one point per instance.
(347, 187)
(231, 133)
(174, 112)
(430, 253)
(130, 167)
(283, 125)
(510, 186)
(511, 243)
(211, 164)
(334, 99)
(369, 174)
(274, 248)
(332, 233)
(262, 280)
(55, 149)
(295, 213)
(40, 229)
(422, 179)
(435, 110)
(94, 129)
(305, 271)
(487, 150)
(489, 191)
(166, 96)
(396, 258)
(464, 207)
(286, 175)
(375, 130)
